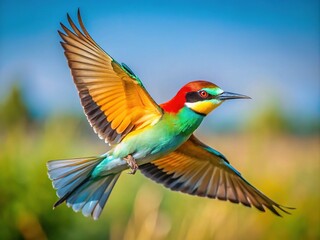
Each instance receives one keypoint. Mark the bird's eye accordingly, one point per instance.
(203, 94)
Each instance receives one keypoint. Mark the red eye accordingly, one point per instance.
(203, 94)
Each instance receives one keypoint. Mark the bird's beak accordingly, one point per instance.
(229, 95)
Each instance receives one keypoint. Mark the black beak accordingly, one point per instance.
(229, 95)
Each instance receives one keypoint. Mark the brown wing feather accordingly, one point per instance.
(197, 169)
(114, 100)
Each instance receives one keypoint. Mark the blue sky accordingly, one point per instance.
(268, 50)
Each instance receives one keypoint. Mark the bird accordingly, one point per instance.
(156, 139)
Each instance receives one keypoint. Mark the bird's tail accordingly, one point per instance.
(74, 184)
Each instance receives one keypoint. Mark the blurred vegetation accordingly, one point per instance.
(13, 111)
(271, 119)
(284, 166)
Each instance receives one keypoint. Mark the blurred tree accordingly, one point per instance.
(271, 119)
(13, 110)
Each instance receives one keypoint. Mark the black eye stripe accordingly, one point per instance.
(195, 97)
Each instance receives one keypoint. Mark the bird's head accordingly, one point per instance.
(201, 97)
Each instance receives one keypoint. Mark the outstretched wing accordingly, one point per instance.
(197, 169)
(113, 98)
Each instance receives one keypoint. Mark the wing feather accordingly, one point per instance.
(113, 98)
(197, 169)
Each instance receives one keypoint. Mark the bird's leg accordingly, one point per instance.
(132, 164)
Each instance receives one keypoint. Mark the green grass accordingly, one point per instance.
(286, 168)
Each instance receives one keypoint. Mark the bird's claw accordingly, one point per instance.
(132, 164)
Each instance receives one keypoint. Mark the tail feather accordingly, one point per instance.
(75, 186)
(65, 172)
(92, 196)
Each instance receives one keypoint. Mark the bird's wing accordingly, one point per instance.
(113, 97)
(197, 169)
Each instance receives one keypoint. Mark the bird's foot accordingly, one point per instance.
(132, 164)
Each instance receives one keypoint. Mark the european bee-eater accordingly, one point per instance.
(156, 139)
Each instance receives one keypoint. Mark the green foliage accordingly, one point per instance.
(13, 110)
(269, 119)
(285, 168)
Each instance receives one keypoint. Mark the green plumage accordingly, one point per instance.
(155, 141)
